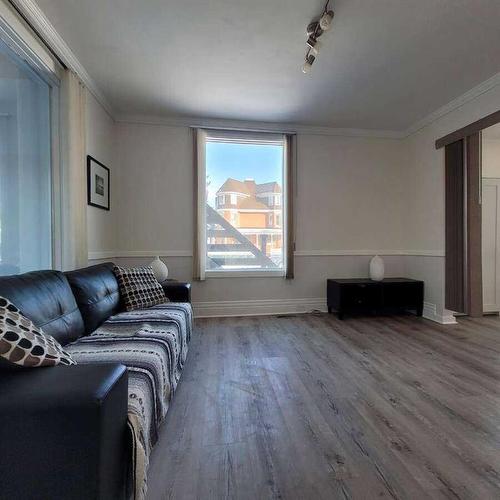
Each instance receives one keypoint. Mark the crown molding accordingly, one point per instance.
(39, 21)
(460, 101)
(172, 121)
(470, 95)
(255, 126)
(35, 16)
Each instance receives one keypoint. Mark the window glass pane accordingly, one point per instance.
(25, 175)
(244, 181)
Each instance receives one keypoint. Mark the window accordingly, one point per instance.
(25, 167)
(241, 238)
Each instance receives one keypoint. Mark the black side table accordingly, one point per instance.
(177, 291)
(362, 295)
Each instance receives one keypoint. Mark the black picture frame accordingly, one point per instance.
(101, 186)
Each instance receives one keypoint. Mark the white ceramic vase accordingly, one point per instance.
(377, 268)
(160, 269)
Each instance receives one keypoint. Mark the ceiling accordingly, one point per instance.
(384, 65)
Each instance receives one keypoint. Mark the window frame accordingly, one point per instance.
(241, 137)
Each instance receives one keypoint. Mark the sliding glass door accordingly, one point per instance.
(25, 167)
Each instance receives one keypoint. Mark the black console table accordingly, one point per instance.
(362, 295)
(177, 291)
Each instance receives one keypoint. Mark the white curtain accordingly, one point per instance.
(73, 173)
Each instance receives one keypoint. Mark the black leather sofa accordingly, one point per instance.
(63, 429)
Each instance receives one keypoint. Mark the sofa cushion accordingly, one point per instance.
(96, 292)
(139, 288)
(24, 344)
(45, 298)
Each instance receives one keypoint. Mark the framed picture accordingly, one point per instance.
(97, 184)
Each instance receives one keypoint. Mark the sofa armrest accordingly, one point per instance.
(177, 291)
(63, 432)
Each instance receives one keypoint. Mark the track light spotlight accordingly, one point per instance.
(307, 66)
(314, 30)
(325, 21)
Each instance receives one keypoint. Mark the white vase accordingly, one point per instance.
(160, 269)
(377, 268)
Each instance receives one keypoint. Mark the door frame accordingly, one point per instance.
(472, 283)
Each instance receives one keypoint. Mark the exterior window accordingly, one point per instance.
(25, 167)
(250, 167)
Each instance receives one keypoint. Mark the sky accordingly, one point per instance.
(263, 163)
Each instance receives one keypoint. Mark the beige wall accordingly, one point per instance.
(491, 158)
(102, 225)
(355, 196)
(155, 188)
(350, 193)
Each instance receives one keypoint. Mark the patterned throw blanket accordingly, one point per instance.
(153, 344)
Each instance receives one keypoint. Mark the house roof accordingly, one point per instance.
(268, 187)
(248, 187)
(234, 186)
(251, 204)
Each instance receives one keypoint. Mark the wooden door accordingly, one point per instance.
(455, 224)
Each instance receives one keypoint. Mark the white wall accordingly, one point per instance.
(491, 158)
(350, 193)
(426, 192)
(102, 225)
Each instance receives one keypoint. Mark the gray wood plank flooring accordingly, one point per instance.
(310, 407)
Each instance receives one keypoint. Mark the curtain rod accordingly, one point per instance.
(37, 33)
(243, 129)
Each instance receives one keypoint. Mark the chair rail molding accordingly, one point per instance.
(109, 254)
(369, 252)
(117, 254)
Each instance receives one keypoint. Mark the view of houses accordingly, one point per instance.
(255, 216)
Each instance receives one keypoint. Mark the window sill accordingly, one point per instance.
(245, 274)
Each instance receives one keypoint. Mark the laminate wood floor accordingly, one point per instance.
(310, 407)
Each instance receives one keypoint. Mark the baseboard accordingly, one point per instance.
(430, 312)
(258, 307)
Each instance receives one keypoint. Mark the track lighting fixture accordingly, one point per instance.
(314, 30)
